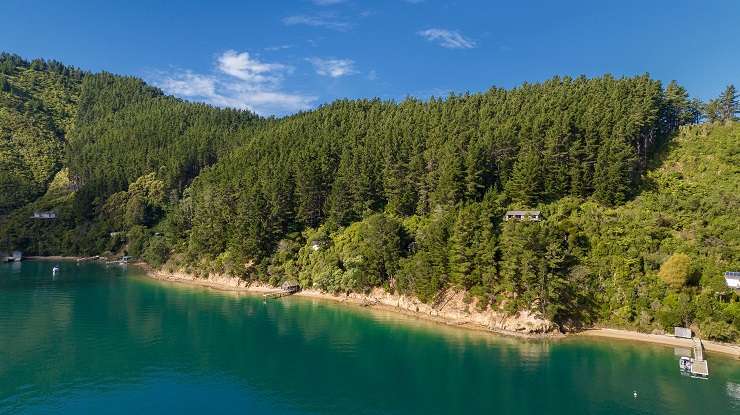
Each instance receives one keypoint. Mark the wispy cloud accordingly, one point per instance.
(326, 20)
(334, 68)
(246, 68)
(450, 39)
(327, 2)
(278, 47)
(238, 80)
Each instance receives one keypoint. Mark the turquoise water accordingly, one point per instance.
(107, 340)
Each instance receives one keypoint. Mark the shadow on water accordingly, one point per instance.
(98, 339)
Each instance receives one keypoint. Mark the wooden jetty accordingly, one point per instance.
(699, 367)
(277, 294)
(88, 258)
(288, 288)
(15, 256)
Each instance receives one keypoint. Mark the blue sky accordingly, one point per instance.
(278, 57)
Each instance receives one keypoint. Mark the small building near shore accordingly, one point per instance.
(523, 215)
(44, 215)
(290, 286)
(732, 279)
(682, 332)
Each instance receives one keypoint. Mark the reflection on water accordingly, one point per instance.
(733, 391)
(100, 340)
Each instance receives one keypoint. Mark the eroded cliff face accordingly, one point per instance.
(451, 308)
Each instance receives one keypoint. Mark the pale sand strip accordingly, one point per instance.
(666, 340)
(723, 348)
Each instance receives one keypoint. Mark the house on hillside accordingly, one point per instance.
(732, 279)
(520, 215)
(44, 215)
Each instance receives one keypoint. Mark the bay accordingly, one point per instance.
(97, 339)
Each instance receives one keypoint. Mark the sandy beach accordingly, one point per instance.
(664, 339)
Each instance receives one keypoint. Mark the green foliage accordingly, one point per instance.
(728, 104)
(157, 251)
(675, 311)
(723, 108)
(364, 255)
(38, 102)
(138, 237)
(676, 270)
(126, 129)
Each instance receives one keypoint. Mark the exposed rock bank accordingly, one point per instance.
(451, 309)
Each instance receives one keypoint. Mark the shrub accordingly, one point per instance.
(675, 271)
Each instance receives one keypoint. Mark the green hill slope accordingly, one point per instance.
(688, 207)
(122, 130)
(38, 102)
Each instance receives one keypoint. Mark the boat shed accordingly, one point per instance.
(290, 286)
(682, 332)
(531, 215)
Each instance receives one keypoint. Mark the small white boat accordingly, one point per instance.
(55, 269)
(684, 364)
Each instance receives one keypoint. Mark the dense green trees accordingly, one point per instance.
(409, 196)
(38, 101)
(728, 104)
(126, 129)
(676, 270)
(723, 108)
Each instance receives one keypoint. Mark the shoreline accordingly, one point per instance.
(52, 258)
(731, 350)
(728, 350)
(231, 284)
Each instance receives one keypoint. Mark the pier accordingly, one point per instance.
(15, 256)
(699, 367)
(277, 294)
(288, 288)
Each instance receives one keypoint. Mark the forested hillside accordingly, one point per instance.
(126, 129)
(638, 218)
(38, 102)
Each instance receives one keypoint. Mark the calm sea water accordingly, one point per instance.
(107, 340)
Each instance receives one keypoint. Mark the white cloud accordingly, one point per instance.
(189, 84)
(327, 2)
(450, 39)
(325, 20)
(238, 81)
(242, 66)
(334, 68)
(372, 75)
